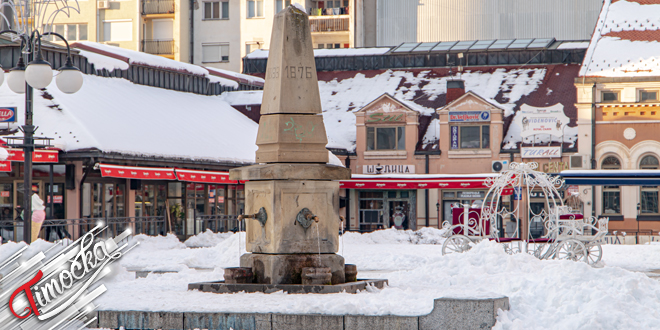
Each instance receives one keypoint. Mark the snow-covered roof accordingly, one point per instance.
(263, 53)
(242, 97)
(626, 40)
(115, 115)
(135, 57)
(239, 77)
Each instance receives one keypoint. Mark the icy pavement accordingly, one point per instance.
(543, 294)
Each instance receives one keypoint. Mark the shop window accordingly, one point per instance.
(212, 53)
(255, 8)
(386, 138)
(281, 4)
(648, 96)
(216, 10)
(609, 96)
(649, 194)
(470, 137)
(611, 194)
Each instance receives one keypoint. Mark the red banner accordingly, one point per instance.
(143, 173)
(203, 176)
(38, 156)
(5, 166)
(413, 184)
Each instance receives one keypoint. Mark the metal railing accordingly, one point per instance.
(158, 47)
(334, 24)
(218, 223)
(157, 7)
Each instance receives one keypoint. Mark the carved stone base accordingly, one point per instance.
(288, 268)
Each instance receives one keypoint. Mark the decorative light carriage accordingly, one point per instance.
(567, 235)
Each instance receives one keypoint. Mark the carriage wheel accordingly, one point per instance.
(456, 244)
(571, 249)
(594, 254)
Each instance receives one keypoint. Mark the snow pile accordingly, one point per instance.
(624, 42)
(207, 239)
(340, 99)
(236, 76)
(101, 62)
(243, 97)
(223, 81)
(92, 118)
(432, 135)
(544, 294)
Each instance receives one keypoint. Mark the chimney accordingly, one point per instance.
(455, 89)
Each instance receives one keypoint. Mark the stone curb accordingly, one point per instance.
(447, 313)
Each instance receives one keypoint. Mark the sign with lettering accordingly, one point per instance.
(540, 152)
(388, 169)
(8, 115)
(386, 118)
(454, 137)
(541, 120)
(471, 194)
(554, 167)
(469, 116)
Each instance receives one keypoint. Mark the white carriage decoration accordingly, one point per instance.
(567, 235)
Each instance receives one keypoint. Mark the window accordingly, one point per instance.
(609, 96)
(255, 8)
(649, 194)
(118, 31)
(215, 53)
(647, 96)
(72, 32)
(251, 46)
(386, 138)
(281, 4)
(611, 194)
(320, 46)
(471, 137)
(216, 10)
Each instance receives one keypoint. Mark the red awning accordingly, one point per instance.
(203, 176)
(5, 166)
(132, 172)
(417, 182)
(38, 156)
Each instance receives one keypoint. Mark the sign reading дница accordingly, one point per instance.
(58, 286)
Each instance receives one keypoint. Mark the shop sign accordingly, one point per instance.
(540, 194)
(389, 118)
(540, 152)
(57, 199)
(554, 167)
(454, 137)
(5, 166)
(469, 116)
(517, 193)
(471, 194)
(572, 190)
(38, 156)
(4, 194)
(541, 120)
(8, 115)
(388, 169)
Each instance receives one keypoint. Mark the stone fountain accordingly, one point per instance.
(292, 196)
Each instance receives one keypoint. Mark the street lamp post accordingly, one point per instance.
(38, 74)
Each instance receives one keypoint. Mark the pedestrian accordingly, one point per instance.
(38, 213)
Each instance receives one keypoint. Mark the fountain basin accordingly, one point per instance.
(222, 287)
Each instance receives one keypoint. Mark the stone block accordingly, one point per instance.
(390, 322)
(307, 322)
(287, 268)
(459, 314)
(290, 172)
(226, 321)
(221, 287)
(140, 320)
(291, 82)
(283, 200)
(291, 138)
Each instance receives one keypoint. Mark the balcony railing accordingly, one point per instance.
(335, 24)
(157, 7)
(158, 47)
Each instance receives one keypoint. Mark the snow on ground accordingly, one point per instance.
(544, 294)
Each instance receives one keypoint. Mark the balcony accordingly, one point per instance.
(329, 24)
(158, 47)
(156, 7)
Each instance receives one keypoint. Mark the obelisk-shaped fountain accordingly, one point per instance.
(292, 196)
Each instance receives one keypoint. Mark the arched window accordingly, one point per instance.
(649, 194)
(611, 194)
